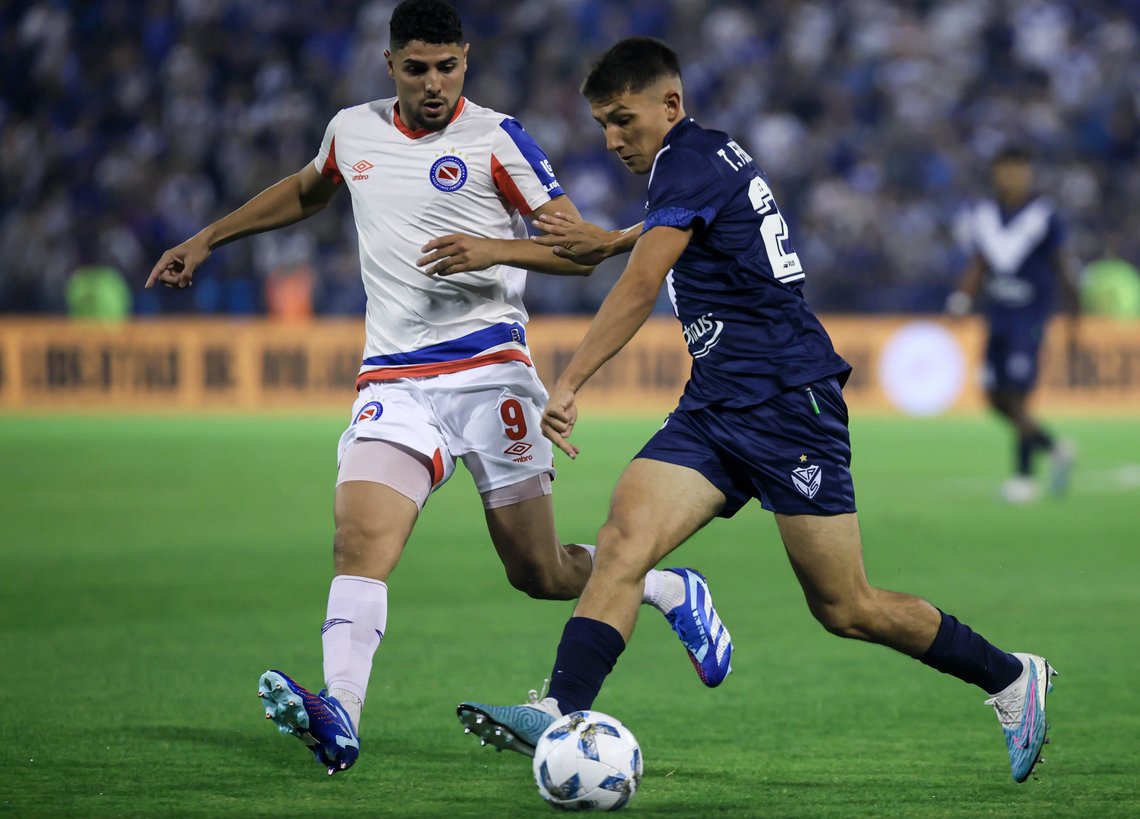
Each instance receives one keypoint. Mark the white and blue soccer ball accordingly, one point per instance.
(587, 760)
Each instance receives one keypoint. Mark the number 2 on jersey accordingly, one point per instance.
(785, 262)
(514, 420)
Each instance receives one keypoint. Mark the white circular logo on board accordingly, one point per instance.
(922, 369)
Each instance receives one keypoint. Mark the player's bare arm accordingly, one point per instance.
(619, 318)
(961, 300)
(462, 253)
(292, 199)
(581, 241)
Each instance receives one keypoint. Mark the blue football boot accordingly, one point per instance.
(1021, 712)
(509, 727)
(699, 627)
(317, 720)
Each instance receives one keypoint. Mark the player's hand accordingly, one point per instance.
(457, 253)
(177, 265)
(574, 239)
(559, 417)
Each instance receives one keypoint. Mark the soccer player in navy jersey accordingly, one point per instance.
(762, 416)
(1018, 259)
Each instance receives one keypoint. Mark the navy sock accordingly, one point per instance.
(587, 653)
(1040, 439)
(958, 651)
(1024, 456)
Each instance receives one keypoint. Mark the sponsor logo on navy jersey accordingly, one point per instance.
(697, 334)
(369, 412)
(448, 173)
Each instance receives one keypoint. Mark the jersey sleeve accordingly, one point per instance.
(521, 170)
(325, 161)
(685, 191)
(1058, 231)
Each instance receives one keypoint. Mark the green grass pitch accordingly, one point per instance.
(150, 569)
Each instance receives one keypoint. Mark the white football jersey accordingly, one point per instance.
(480, 175)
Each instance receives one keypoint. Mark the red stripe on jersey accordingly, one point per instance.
(436, 468)
(423, 132)
(330, 170)
(507, 186)
(441, 367)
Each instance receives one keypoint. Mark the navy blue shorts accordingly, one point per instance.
(1011, 357)
(795, 460)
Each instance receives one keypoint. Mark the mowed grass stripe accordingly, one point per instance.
(151, 568)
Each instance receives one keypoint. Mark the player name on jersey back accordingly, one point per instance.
(737, 286)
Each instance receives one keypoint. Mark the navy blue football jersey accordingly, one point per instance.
(1020, 250)
(737, 288)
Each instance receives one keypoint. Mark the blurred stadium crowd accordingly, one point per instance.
(127, 125)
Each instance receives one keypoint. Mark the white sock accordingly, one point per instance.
(353, 628)
(351, 704)
(663, 590)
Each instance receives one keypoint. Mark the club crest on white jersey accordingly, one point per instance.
(448, 173)
(480, 176)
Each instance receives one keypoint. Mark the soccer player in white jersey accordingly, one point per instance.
(439, 185)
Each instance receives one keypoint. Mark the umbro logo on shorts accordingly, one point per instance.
(806, 479)
(519, 451)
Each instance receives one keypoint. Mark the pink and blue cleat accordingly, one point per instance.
(1021, 711)
(317, 720)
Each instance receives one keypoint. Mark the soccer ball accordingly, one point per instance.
(587, 760)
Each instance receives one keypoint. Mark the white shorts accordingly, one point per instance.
(487, 416)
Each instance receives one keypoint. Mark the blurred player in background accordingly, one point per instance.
(762, 416)
(1018, 259)
(446, 373)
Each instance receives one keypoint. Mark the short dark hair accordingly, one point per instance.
(429, 21)
(1013, 153)
(631, 65)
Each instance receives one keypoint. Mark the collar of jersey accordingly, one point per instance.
(1008, 215)
(676, 129)
(423, 132)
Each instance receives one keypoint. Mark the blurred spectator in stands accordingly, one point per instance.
(873, 118)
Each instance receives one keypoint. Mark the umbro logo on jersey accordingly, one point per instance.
(448, 173)
(521, 448)
(806, 479)
(361, 168)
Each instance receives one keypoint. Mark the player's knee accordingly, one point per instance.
(622, 554)
(359, 550)
(998, 400)
(540, 581)
(851, 619)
